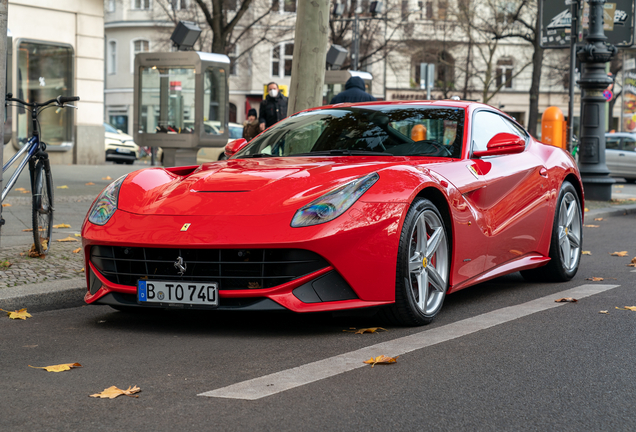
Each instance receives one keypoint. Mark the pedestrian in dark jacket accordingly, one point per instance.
(273, 108)
(250, 126)
(354, 92)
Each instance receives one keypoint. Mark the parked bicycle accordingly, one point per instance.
(39, 169)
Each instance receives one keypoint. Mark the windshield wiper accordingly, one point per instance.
(344, 152)
(257, 155)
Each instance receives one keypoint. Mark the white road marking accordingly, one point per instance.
(287, 379)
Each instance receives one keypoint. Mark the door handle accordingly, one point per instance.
(621, 154)
(543, 172)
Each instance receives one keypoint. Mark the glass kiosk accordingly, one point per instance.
(181, 103)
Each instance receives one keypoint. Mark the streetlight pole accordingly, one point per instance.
(574, 28)
(593, 56)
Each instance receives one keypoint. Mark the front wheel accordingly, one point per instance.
(423, 266)
(42, 214)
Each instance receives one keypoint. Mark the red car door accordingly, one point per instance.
(514, 199)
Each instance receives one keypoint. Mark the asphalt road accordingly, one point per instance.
(568, 368)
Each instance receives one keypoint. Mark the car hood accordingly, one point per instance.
(242, 186)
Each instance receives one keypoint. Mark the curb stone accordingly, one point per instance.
(44, 296)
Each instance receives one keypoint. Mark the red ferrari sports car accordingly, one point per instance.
(391, 205)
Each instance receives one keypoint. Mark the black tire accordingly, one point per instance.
(630, 180)
(434, 269)
(130, 162)
(564, 258)
(42, 210)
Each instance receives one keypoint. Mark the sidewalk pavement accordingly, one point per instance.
(58, 280)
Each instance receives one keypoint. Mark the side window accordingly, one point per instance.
(485, 126)
(629, 144)
(612, 143)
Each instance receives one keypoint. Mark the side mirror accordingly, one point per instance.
(502, 144)
(235, 146)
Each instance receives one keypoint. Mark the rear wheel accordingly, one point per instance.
(42, 214)
(423, 266)
(566, 240)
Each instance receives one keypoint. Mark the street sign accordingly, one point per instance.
(556, 21)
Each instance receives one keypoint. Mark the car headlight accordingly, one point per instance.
(106, 203)
(334, 203)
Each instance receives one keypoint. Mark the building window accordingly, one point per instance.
(110, 6)
(229, 5)
(233, 54)
(442, 9)
(426, 9)
(405, 10)
(179, 4)
(503, 73)
(45, 71)
(112, 57)
(282, 56)
(118, 118)
(444, 68)
(284, 6)
(138, 46)
(141, 4)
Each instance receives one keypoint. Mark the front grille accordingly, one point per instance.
(231, 268)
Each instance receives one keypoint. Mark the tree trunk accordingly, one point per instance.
(537, 65)
(4, 5)
(310, 50)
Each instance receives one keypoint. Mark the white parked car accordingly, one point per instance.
(620, 155)
(120, 147)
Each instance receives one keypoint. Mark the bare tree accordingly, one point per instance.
(484, 24)
(226, 23)
(525, 20)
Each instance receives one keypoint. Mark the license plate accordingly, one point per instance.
(186, 293)
(121, 150)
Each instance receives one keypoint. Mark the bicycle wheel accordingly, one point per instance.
(42, 207)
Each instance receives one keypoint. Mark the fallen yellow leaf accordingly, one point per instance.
(366, 330)
(619, 254)
(82, 269)
(381, 359)
(25, 191)
(587, 209)
(603, 312)
(586, 253)
(566, 300)
(632, 199)
(598, 219)
(89, 184)
(67, 239)
(591, 226)
(6, 205)
(62, 225)
(33, 253)
(58, 368)
(595, 279)
(113, 392)
(20, 189)
(620, 186)
(27, 230)
(5, 264)
(631, 308)
(77, 235)
(106, 178)
(77, 250)
(19, 314)
(633, 263)
(62, 187)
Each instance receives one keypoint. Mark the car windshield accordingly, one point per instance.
(379, 129)
(236, 131)
(109, 128)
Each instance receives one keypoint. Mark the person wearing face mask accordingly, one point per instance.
(273, 108)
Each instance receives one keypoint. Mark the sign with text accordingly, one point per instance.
(556, 22)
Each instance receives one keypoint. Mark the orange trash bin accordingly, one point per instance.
(554, 127)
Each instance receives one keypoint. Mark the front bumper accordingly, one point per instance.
(360, 249)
